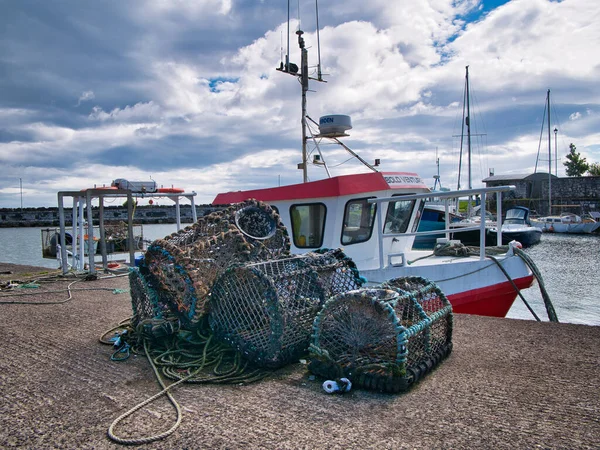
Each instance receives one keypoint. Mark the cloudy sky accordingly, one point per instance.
(185, 92)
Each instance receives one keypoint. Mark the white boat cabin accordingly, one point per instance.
(336, 212)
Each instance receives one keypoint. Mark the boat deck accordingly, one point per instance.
(508, 383)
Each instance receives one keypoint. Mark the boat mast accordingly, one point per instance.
(303, 77)
(437, 176)
(468, 123)
(304, 83)
(549, 159)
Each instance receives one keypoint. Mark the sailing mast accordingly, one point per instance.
(549, 159)
(547, 117)
(466, 122)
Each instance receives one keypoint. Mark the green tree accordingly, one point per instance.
(594, 170)
(576, 165)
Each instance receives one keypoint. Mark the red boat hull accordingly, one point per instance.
(492, 301)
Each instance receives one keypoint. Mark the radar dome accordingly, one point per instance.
(334, 125)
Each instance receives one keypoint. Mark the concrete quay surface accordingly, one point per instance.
(507, 384)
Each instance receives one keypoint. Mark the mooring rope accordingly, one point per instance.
(448, 249)
(536, 273)
(515, 287)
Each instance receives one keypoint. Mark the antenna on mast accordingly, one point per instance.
(319, 77)
(303, 77)
(437, 176)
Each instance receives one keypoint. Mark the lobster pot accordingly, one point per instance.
(176, 284)
(151, 317)
(436, 309)
(266, 310)
(257, 221)
(381, 339)
(143, 299)
(182, 267)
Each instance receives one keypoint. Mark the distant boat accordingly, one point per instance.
(433, 218)
(517, 227)
(566, 223)
(472, 237)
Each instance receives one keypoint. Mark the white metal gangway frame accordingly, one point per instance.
(101, 193)
(445, 196)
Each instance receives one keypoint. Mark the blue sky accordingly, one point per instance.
(186, 92)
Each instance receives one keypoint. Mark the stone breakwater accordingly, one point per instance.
(48, 217)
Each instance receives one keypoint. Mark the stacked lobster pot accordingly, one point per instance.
(266, 309)
(232, 271)
(173, 284)
(383, 339)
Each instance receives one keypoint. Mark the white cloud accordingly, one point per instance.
(127, 114)
(85, 96)
(193, 8)
(199, 76)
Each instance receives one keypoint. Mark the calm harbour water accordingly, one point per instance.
(569, 264)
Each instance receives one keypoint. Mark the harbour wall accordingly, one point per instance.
(569, 194)
(48, 217)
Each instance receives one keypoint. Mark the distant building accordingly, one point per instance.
(569, 194)
(528, 186)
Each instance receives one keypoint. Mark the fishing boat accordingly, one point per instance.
(374, 217)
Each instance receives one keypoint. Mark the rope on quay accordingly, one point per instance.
(185, 358)
(35, 284)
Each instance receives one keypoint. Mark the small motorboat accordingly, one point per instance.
(517, 227)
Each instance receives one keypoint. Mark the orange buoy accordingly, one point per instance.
(171, 190)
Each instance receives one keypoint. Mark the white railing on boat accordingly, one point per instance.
(447, 195)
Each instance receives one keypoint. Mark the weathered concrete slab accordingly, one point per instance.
(507, 384)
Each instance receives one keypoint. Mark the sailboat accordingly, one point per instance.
(374, 217)
(567, 222)
(472, 237)
(434, 215)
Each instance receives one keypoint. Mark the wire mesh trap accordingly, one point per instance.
(383, 339)
(180, 269)
(266, 310)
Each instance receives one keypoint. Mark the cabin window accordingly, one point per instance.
(419, 216)
(308, 224)
(398, 216)
(359, 217)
